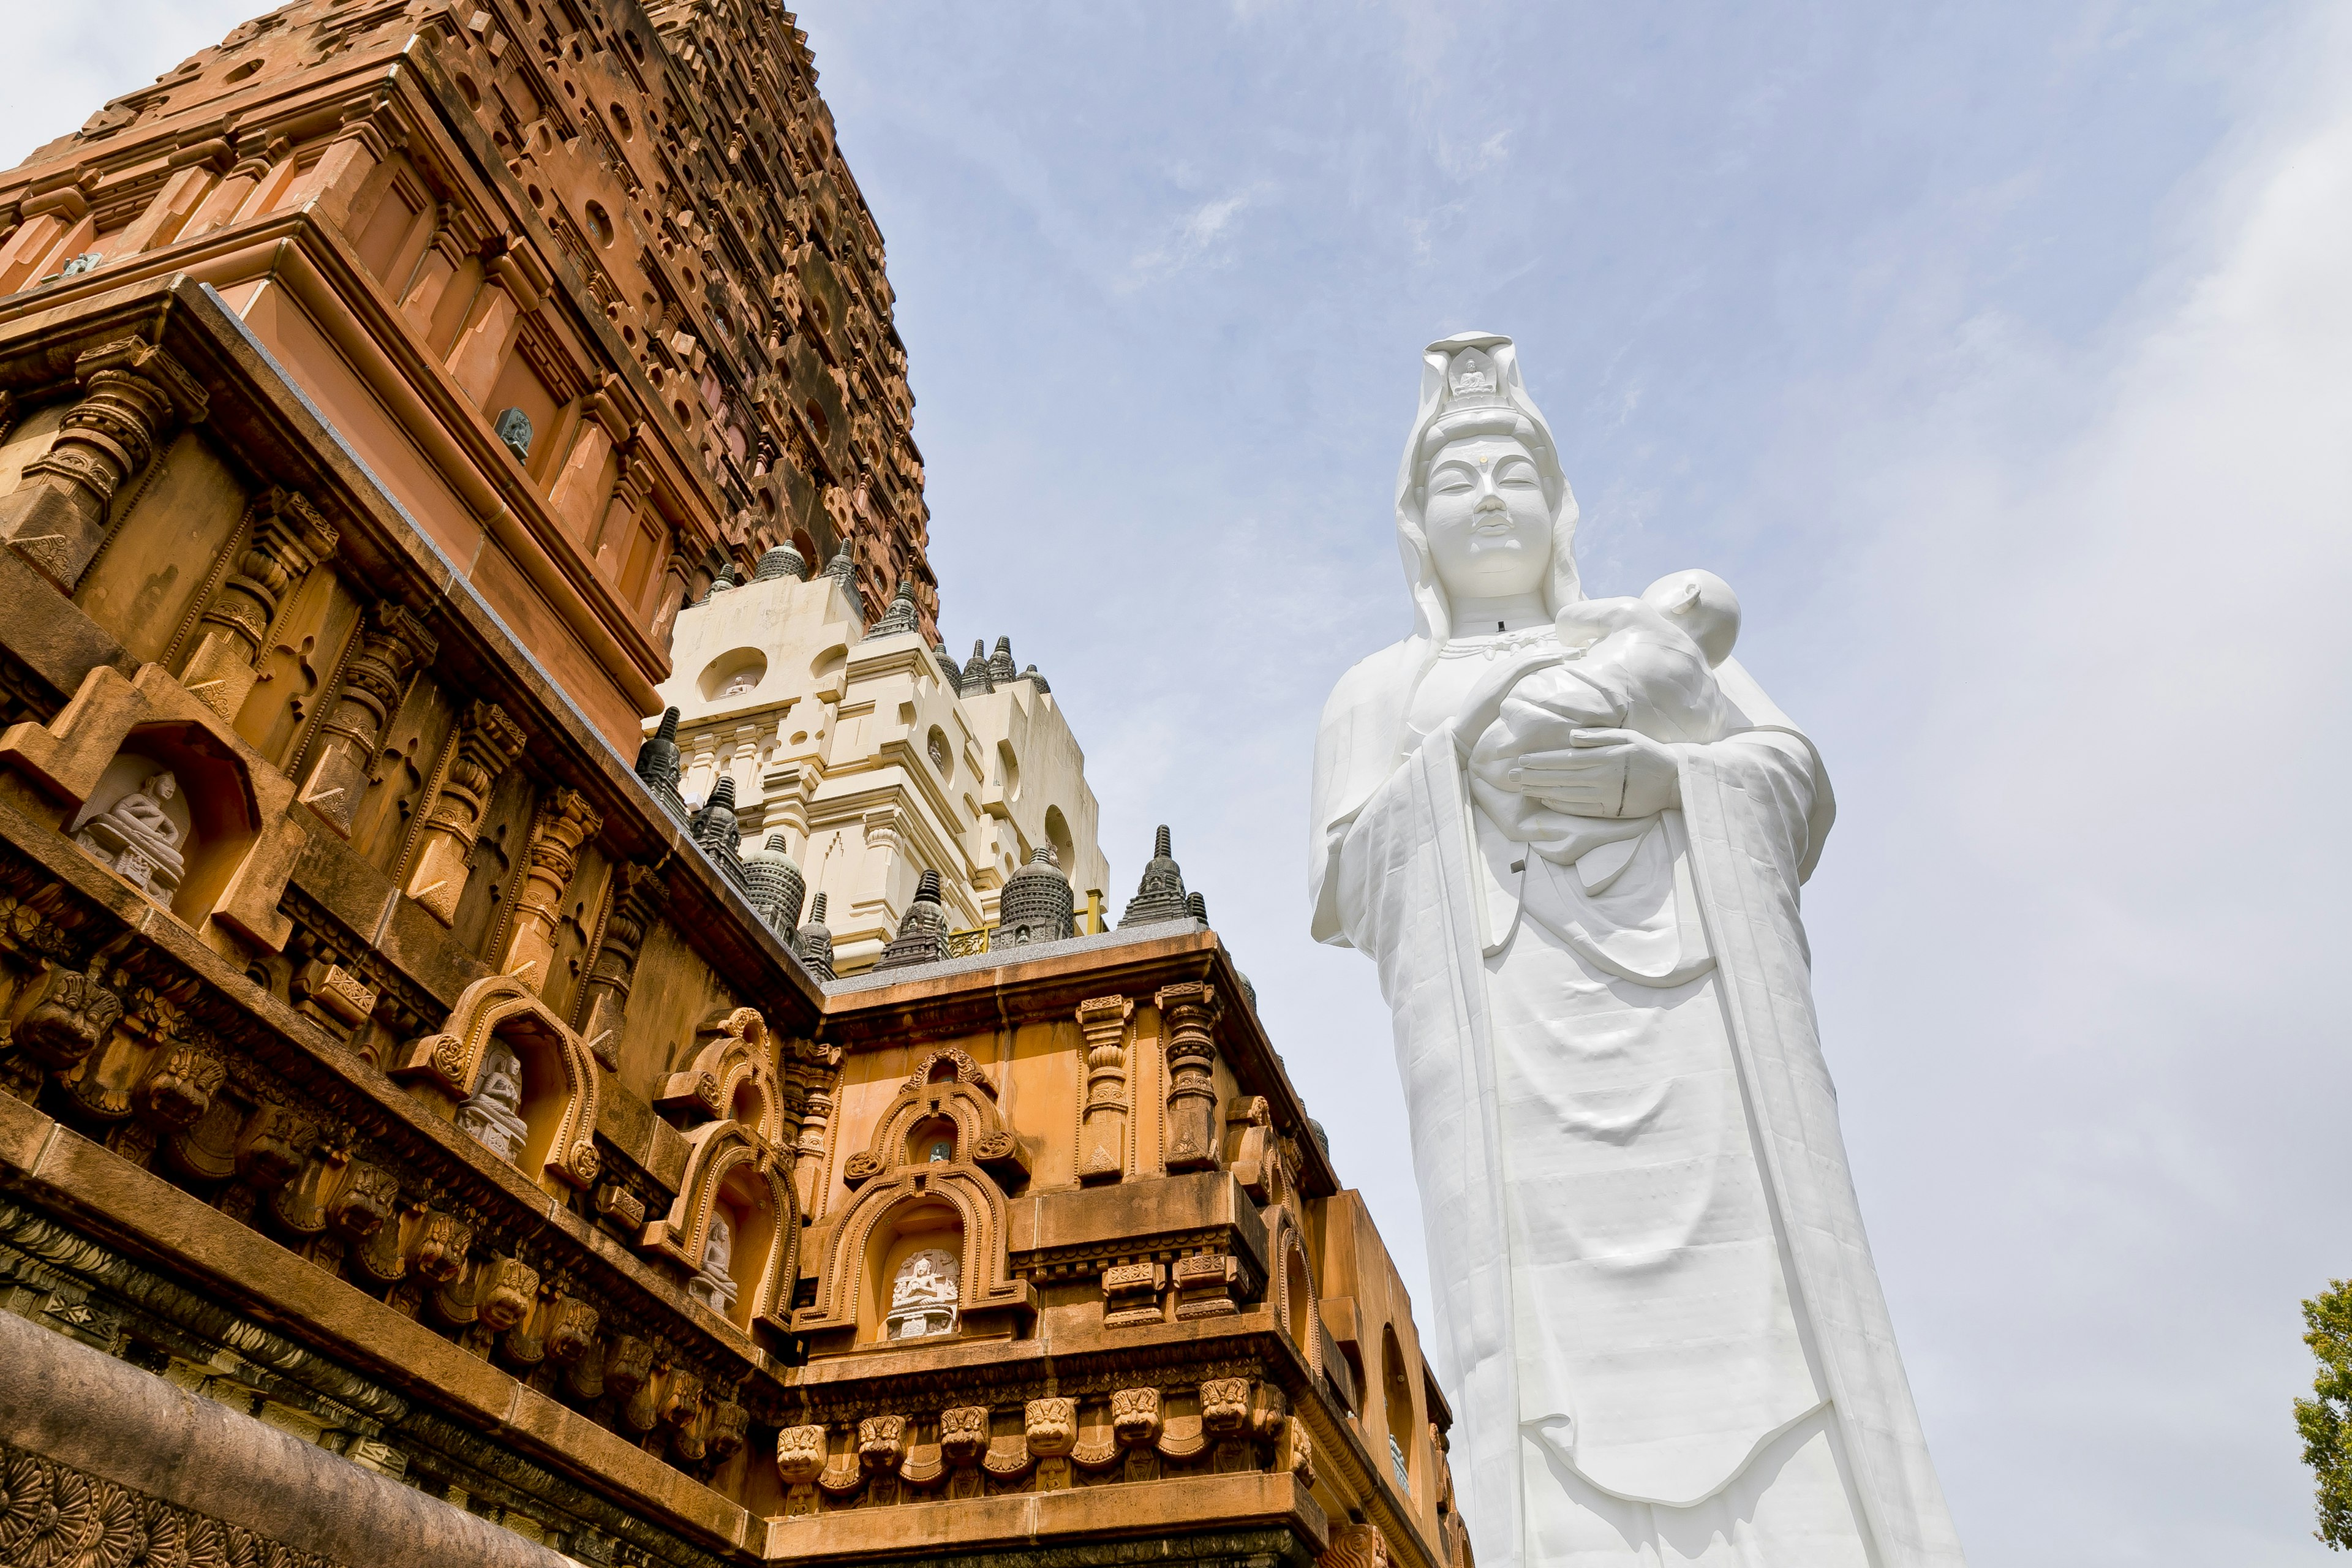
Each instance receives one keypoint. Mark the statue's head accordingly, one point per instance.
(1484, 509)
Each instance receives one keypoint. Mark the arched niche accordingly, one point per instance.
(734, 1174)
(735, 673)
(175, 770)
(1295, 1296)
(731, 1076)
(912, 1230)
(559, 1076)
(1396, 1402)
(902, 1191)
(243, 839)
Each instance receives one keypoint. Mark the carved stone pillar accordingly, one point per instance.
(56, 516)
(1188, 1012)
(565, 822)
(580, 493)
(288, 537)
(51, 222)
(454, 241)
(673, 597)
(487, 741)
(635, 894)
(492, 323)
(368, 138)
(392, 644)
(1102, 1122)
(228, 198)
(808, 1145)
(175, 205)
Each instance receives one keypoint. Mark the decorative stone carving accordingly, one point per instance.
(63, 1015)
(139, 839)
(485, 743)
(1159, 896)
(58, 514)
(774, 885)
(659, 766)
(1355, 1546)
(1037, 904)
(492, 1115)
(1051, 1426)
(715, 835)
(923, 1296)
(565, 821)
(1131, 1293)
(514, 432)
(903, 616)
(500, 1011)
(633, 896)
(1205, 1285)
(1189, 1013)
(1135, 1415)
(1102, 1119)
(975, 681)
(922, 929)
(783, 561)
(285, 538)
(815, 942)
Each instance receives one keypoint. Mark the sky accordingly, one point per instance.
(1998, 354)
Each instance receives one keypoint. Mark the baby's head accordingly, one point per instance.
(1703, 606)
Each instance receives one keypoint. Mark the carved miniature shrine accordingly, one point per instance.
(427, 1136)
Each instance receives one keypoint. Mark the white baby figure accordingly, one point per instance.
(1643, 664)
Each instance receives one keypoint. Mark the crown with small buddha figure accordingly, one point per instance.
(1471, 386)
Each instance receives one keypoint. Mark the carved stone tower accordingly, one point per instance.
(427, 1138)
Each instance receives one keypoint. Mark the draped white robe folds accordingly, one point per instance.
(1641, 1224)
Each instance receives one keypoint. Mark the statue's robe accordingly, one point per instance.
(1640, 1219)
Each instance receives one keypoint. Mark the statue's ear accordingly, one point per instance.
(1689, 599)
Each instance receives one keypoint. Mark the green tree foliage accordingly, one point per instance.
(2326, 1420)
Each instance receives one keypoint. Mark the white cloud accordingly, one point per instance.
(1194, 238)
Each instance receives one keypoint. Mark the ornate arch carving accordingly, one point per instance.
(559, 1101)
(735, 1054)
(715, 1151)
(887, 1177)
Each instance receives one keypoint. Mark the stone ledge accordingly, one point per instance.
(1213, 1506)
(82, 1410)
(197, 1239)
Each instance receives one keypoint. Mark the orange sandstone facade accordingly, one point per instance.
(423, 1139)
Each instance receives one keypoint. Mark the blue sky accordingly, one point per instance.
(2000, 356)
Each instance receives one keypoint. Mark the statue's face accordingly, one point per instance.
(1483, 511)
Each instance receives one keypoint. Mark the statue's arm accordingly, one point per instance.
(1355, 753)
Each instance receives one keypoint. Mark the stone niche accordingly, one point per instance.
(158, 790)
(735, 1226)
(916, 1290)
(500, 1027)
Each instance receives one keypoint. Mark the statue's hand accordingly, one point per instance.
(1602, 773)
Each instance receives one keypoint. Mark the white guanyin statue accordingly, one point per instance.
(1570, 834)
(714, 1286)
(923, 1296)
(138, 839)
(492, 1115)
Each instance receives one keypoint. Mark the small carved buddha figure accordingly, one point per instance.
(714, 1287)
(923, 1296)
(492, 1115)
(137, 839)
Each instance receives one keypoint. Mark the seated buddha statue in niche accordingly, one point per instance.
(923, 1296)
(139, 841)
(492, 1115)
(714, 1284)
